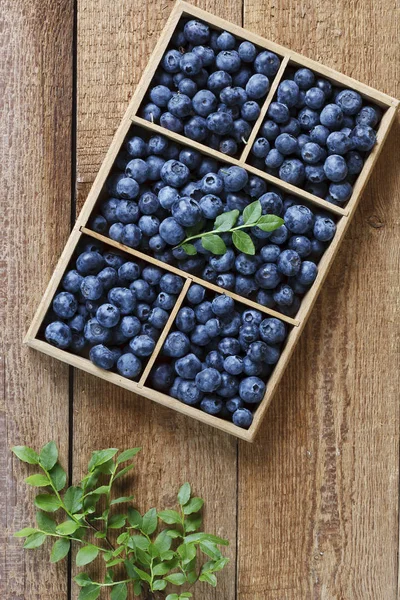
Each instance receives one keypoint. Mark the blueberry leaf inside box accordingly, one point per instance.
(199, 213)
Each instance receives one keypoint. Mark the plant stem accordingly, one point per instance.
(68, 537)
(62, 505)
(97, 530)
(213, 232)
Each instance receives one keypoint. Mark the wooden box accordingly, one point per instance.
(342, 215)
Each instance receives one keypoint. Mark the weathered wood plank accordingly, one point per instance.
(114, 44)
(318, 492)
(35, 146)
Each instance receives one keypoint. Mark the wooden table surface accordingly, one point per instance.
(311, 509)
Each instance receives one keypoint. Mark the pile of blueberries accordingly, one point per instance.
(166, 189)
(111, 308)
(219, 356)
(316, 136)
(209, 86)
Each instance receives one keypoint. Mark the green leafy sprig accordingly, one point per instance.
(151, 558)
(225, 223)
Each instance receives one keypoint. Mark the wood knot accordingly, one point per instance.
(375, 222)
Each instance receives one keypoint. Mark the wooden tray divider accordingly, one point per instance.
(286, 187)
(193, 278)
(256, 127)
(164, 332)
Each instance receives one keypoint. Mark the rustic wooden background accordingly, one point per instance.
(311, 509)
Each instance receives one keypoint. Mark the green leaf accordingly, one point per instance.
(106, 468)
(100, 535)
(194, 229)
(143, 557)
(58, 476)
(173, 533)
(121, 500)
(73, 499)
(172, 597)
(143, 575)
(176, 578)
(134, 517)
(109, 576)
(187, 552)
(208, 578)
(200, 536)
(192, 577)
(103, 489)
(123, 538)
(123, 472)
(219, 564)
(192, 523)
(226, 220)
(149, 523)
(114, 562)
(159, 584)
(185, 595)
(137, 588)
(37, 480)
(90, 592)
(252, 212)
(35, 540)
(269, 222)
(67, 528)
(190, 249)
(138, 541)
(169, 516)
(48, 456)
(193, 506)
(163, 542)
(99, 457)
(60, 550)
(210, 549)
(26, 454)
(119, 592)
(184, 494)
(162, 568)
(47, 502)
(82, 579)
(116, 521)
(168, 555)
(129, 569)
(25, 532)
(45, 522)
(86, 555)
(213, 243)
(243, 242)
(127, 455)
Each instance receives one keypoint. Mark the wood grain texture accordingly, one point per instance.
(114, 43)
(35, 148)
(327, 507)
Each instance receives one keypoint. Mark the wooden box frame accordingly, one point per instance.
(342, 214)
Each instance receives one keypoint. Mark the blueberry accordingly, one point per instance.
(286, 144)
(319, 134)
(89, 263)
(142, 345)
(211, 405)
(91, 288)
(274, 159)
(325, 86)
(224, 263)
(218, 80)
(280, 235)
(312, 153)
(195, 294)
(196, 32)
(170, 61)
(141, 290)
(229, 386)
(109, 209)
(292, 171)
(115, 231)
(129, 365)
(229, 346)
(331, 116)
(288, 93)
(171, 284)
(308, 118)
(307, 274)
(167, 196)
(188, 366)
(228, 146)
(200, 336)
(251, 390)
(131, 235)
(246, 264)
(160, 95)
(98, 223)
(157, 145)
(314, 98)
(171, 122)
(127, 212)
(188, 392)
(298, 219)
(176, 345)
(58, 334)
(341, 192)
(113, 260)
(267, 63)
(242, 417)
(149, 203)
(335, 168)
(304, 78)
(188, 87)
(174, 173)
(213, 328)
(165, 300)
(108, 315)
(270, 130)
(65, 305)
(235, 178)
(324, 229)
(136, 147)
(151, 112)
(315, 174)
(147, 328)
(196, 128)
(233, 364)
(220, 122)
(363, 138)
(349, 101)
(149, 225)
(257, 86)
(354, 162)
(154, 164)
(158, 317)
(123, 298)
(222, 305)
(102, 357)
(185, 319)
(368, 115)
(96, 333)
(272, 330)
(171, 231)
(77, 323)
(209, 274)
(190, 64)
(78, 342)
(339, 143)
(208, 380)
(137, 169)
(251, 368)
(255, 186)
(129, 326)
(300, 244)
(228, 60)
(206, 54)
(245, 286)
(162, 377)
(283, 295)
(226, 281)
(278, 112)
(261, 148)
(226, 41)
